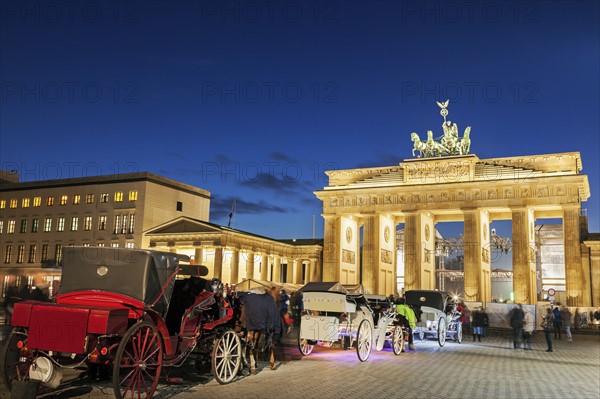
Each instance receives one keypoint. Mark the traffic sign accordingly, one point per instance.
(551, 291)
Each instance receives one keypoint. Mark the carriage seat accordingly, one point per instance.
(184, 294)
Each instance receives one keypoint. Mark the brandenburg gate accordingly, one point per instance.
(445, 183)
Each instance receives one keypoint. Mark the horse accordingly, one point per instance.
(419, 145)
(259, 317)
(465, 143)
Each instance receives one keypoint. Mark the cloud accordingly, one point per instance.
(280, 156)
(221, 206)
(382, 159)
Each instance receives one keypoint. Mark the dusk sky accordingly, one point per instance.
(253, 101)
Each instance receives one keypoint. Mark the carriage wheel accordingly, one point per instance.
(138, 362)
(397, 340)
(459, 336)
(304, 345)
(227, 357)
(441, 332)
(421, 334)
(364, 340)
(12, 359)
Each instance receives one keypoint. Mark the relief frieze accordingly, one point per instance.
(541, 192)
(348, 256)
(386, 256)
(509, 192)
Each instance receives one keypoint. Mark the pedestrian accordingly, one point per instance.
(557, 322)
(284, 304)
(528, 329)
(548, 326)
(517, 318)
(407, 319)
(478, 316)
(486, 321)
(566, 319)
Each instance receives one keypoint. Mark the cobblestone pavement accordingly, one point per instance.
(488, 369)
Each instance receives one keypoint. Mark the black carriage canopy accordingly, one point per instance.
(145, 275)
(432, 299)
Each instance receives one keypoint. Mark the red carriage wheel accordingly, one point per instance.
(227, 357)
(15, 359)
(138, 362)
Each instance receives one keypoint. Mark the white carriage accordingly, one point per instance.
(336, 317)
(438, 319)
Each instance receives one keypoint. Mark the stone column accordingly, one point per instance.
(523, 253)
(331, 248)
(412, 280)
(218, 267)
(477, 275)
(419, 251)
(264, 267)
(198, 255)
(249, 264)
(370, 254)
(277, 268)
(578, 289)
(311, 272)
(235, 266)
(297, 270)
(591, 261)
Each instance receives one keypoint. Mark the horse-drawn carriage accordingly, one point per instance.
(132, 311)
(436, 318)
(335, 317)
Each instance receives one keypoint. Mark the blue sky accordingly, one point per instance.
(253, 101)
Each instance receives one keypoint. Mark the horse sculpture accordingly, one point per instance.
(465, 143)
(260, 318)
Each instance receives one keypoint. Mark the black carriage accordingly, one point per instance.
(437, 317)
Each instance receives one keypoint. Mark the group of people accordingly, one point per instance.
(523, 325)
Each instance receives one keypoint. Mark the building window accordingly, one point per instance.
(44, 253)
(23, 226)
(50, 201)
(37, 201)
(76, 199)
(32, 251)
(25, 203)
(13, 203)
(100, 244)
(74, 223)
(1, 226)
(102, 223)
(115, 245)
(89, 199)
(60, 224)
(180, 206)
(130, 245)
(117, 224)
(124, 225)
(21, 254)
(48, 224)
(131, 224)
(35, 225)
(104, 198)
(64, 199)
(11, 227)
(58, 254)
(8, 254)
(133, 195)
(119, 196)
(87, 223)
(2, 204)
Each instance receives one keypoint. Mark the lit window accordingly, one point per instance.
(1, 226)
(104, 198)
(64, 199)
(115, 245)
(74, 223)
(25, 203)
(131, 224)
(11, 227)
(100, 244)
(32, 251)
(35, 225)
(89, 199)
(60, 224)
(119, 196)
(129, 245)
(2, 204)
(50, 201)
(48, 224)
(133, 195)
(117, 224)
(102, 223)
(124, 225)
(13, 203)
(23, 226)
(37, 201)
(76, 199)
(8, 254)
(21, 254)
(44, 252)
(87, 223)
